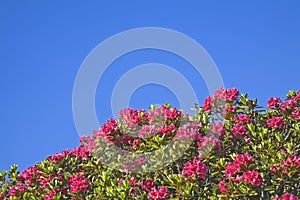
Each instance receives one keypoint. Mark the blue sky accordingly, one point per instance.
(255, 45)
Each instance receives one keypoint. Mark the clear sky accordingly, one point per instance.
(255, 45)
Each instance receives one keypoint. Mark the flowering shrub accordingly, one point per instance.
(231, 148)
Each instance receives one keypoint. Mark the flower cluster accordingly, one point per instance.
(196, 167)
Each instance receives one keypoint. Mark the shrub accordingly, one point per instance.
(231, 148)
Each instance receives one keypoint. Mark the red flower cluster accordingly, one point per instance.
(222, 94)
(273, 102)
(197, 167)
(233, 172)
(287, 196)
(253, 177)
(156, 194)
(78, 183)
(275, 122)
(291, 161)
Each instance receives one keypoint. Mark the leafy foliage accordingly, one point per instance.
(231, 148)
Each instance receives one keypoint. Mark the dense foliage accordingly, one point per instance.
(231, 148)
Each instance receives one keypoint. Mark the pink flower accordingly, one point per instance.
(238, 178)
(148, 130)
(253, 177)
(208, 143)
(139, 161)
(50, 195)
(195, 168)
(148, 185)
(273, 102)
(232, 94)
(110, 126)
(89, 142)
(134, 182)
(130, 117)
(239, 129)
(222, 187)
(162, 193)
(78, 183)
(135, 143)
(167, 129)
(290, 104)
(275, 122)
(231, 169)
(296, 114)
(207, 104)
(189, 130)
(28, 174)
(288, 196)
(274, 169)
(228, 109)
(82, 152)
(173, 114)
(44, 182)
(292, 161)
(243, 119)
(132, 191)
(220, 95)
(218, 128)
(16, 190)
(244, 159)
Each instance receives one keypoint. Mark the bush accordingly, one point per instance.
(231, 148)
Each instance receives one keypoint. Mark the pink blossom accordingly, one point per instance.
(44, 182)
(135, 143)
(228, 109)
(232, 94)
(158, 114)
(207, 104)
(273, 102)
(292, 161)
(148, 185)
(134, 182)
(110, 126)
(238, 178)
(288, 196)
(195, 168)
(275, 168)
(231, 169)
(220, 95)
(253, 177)
(78, 183)
(139, 161)
(209, 142)
(167, 129)
(82, 152)
(28, 174)
(222, 187)
(244, 159)
(187, 131)
(286, 104)
(148, 130)
(239, 129)
(296, 114)
(242, 119)
(162, 193)
(218, 128)
(275, 122)
(16, 190)
(50, 195)
(89, 142)
(173, 114)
